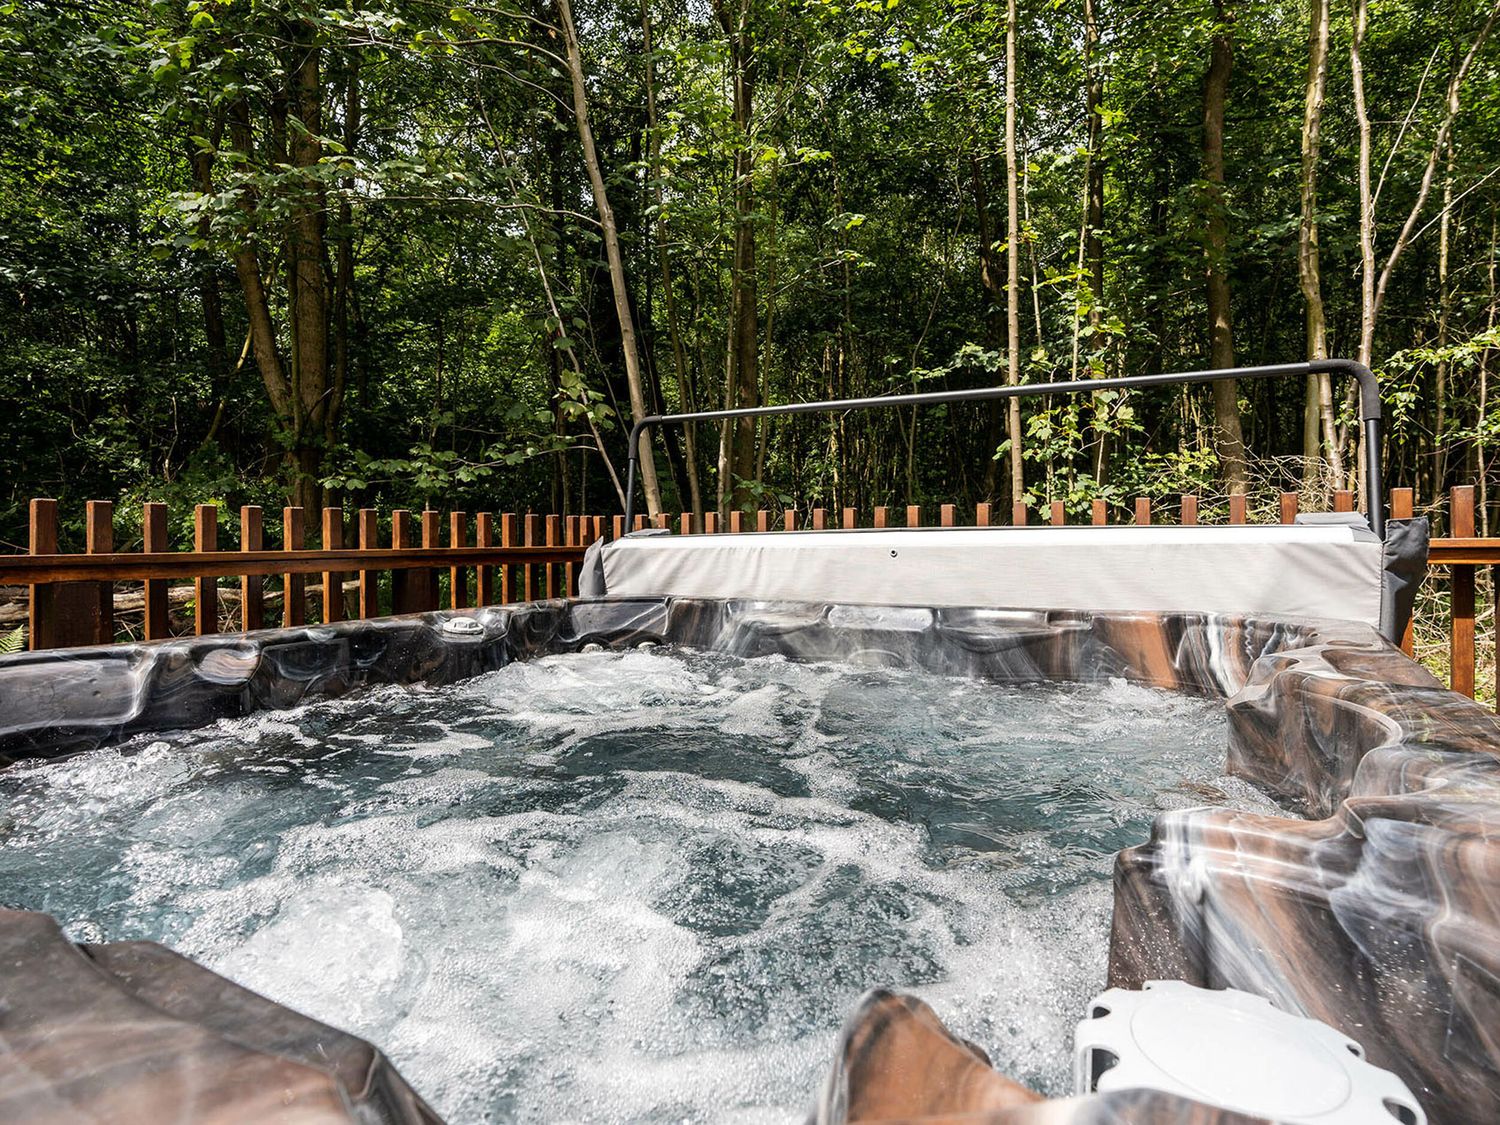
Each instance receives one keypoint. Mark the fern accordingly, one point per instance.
(14, 641)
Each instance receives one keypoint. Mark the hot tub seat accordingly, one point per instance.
(133, 1032)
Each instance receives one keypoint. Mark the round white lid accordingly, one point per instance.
(1251, 1058)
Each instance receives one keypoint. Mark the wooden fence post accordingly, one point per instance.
(1058, 513)
(762, 521)
(333, 582)
(1237, 509)
(63, 614)
(41, 620)
(403, 582)
(982, 515)
(1189, 509)
(913, 515)
(1099, 511)
(1143, 510)
(572, 537)
(819, 519)
(294, 586)
(252, 586)
(369, 580)
(789, 520)
(1018, 513)
(1402, 503)
(1461, 638)
(736, 522)
(205, 590)
(1288, 507)
(99, 539)
(428, 583)
(848, 518)
(531, 534)
(710, 523)
(154, 541)
(553, 528)
(509, 534)
(945, 515)
(484, 576)
(1402, 507)
(1343, 500)
(458, 577)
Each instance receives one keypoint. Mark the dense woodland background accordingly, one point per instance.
(396, 252)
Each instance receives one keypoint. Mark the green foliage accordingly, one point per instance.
(481, 353)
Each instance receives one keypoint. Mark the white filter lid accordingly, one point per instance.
(1234, 1050)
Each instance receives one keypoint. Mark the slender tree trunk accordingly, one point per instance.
(1094, 103)
(1445, 310)
(1093, 242)
(1012, 259)
(1366, 204)
(1366, 199)
(763, 432)
(214, 336)
(262, 331)
(252, 286)
(743, 367)
(1228, 437)
(1484, 384)
(1036, 280)
(680, 366)
(612, 255)
(724, 472)
(344, 276)
(993, 289)
(1318, 408)
(313, 417)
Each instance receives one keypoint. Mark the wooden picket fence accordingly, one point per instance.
(72, 597)
(511, 557)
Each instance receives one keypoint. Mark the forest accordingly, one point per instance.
(405, 253)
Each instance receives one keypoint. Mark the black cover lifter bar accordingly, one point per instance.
(1369, 411)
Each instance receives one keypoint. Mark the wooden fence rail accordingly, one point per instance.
(518, 557)
(72, 598)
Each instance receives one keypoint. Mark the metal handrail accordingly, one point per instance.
(1369, 410)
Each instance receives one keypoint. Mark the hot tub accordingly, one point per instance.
(1375, 911)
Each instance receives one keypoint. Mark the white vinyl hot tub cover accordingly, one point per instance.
(1325, 569)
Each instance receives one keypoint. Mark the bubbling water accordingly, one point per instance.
(632, 886)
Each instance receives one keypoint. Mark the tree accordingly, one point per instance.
(617, 280)
(1318, 419)
(1228, 437)
(737, 452)
(416, 301)
(1012, 258)
(680, 365)
(1374, 287)
(1093, 221)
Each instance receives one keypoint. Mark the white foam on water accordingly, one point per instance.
(333, 945)
(632, 886)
